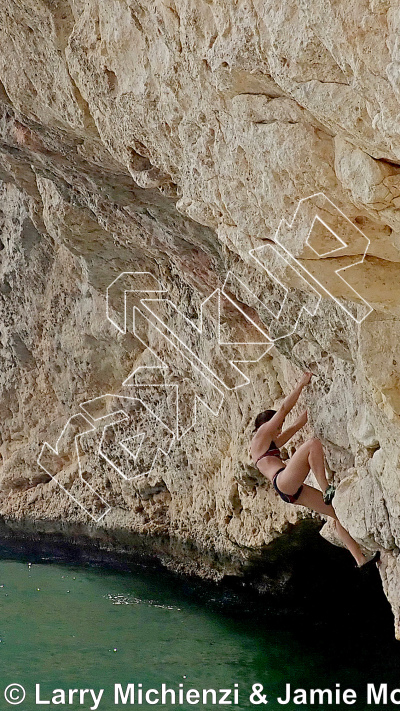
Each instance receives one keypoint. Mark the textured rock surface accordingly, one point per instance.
(172, 137)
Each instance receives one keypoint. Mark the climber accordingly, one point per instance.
(288, 479)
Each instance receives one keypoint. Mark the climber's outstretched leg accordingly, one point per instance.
(312, 498)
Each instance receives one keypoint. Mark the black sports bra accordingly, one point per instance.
(272, 451)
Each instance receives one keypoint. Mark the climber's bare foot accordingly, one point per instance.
(364, 559)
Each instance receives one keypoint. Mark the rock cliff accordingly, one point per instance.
(170, 138)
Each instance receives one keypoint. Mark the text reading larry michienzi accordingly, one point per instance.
(167, 696)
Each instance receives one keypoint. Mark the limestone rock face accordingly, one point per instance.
(171, 138)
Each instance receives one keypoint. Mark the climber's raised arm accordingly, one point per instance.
(290, 401)
(287, 434)
(273, 424)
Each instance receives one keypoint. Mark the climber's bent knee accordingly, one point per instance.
(315, 443)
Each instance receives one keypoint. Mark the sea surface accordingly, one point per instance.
(67, 626)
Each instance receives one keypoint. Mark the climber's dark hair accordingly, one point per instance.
(263, 417)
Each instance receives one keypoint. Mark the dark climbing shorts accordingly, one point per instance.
(288, 498)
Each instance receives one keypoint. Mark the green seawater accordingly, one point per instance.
(83, 626)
